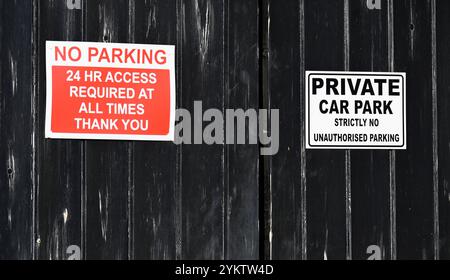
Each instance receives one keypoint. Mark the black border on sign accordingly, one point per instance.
(362, 74)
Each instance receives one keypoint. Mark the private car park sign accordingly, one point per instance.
(355, 110)
(110, 91)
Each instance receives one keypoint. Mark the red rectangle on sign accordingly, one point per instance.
(110, 100)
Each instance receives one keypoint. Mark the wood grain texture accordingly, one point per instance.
(202, 175)
(242, 91)
(155, 169)
(107, 162)
(325, 169)
(369, 169)
(443, 102)
(59, 162)
(142, 200)
(16, 120)
(415, 198)
(285, 89)
(266, 190)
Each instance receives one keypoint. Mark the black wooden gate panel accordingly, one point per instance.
(152, 200)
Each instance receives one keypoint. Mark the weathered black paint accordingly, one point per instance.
(285, 195)
(156, 223)
(369, 51)
(414, 167)
(443, 86)
(151, 200)
(58, 164)
(16, 126)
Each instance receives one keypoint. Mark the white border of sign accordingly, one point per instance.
(170, 65)
(354, 147)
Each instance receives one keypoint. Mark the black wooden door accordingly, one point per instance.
(153, 200)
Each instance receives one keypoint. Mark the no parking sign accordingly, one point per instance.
(110, 91)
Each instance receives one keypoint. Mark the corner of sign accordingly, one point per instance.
(48, 134)
(49, 42)
(170, 137)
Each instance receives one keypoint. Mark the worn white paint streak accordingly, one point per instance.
(154, 227)
(11, 184)
(9, 218)
(392, 154)
(11, 169)
(103, 221)
(182, 28)
(65, 215)
(151, 21)
(204, 29)
(35, 121)
(325, 255)
(348, 155)
(109, 29)
(411, 35)
(55, 242)
(13, 65)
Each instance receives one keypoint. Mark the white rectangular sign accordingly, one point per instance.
(355, 110)
(110, 91)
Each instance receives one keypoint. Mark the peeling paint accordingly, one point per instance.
(204, 26)
(65, 215)
(14, 77)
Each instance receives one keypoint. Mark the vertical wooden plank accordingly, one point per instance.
(285, 59)
(435, 143)
(303, 188)
(241, 161)
(369, 169)
(325, 173)
(443, 101)
(107, 162)
(414, 167)
(59, 162)
(16, 163)
(265, 161)
(348, 153)
(203, 179)
(155, 164)
(392, 154)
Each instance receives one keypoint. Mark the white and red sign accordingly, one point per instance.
(110, 91)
